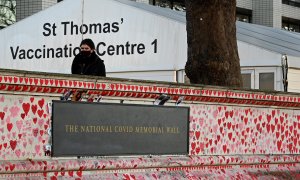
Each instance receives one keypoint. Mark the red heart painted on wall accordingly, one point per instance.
(12, 167)
(3, 87)
(41, 132)
(36, 81)
(79, 173)
(33, 108)
(279, 145)
(26, 107)
(70, 173)
(226, 114)
(103, 86)
(39, 89)
(40, 112)
(10, 79)
(26, 80)
(246, 120)
(269, 118)
(9, 126)
(13, 144)
(42, 81)
(281, 119)
(18, 88)
(277, 134)
(197, 134)
(10, 88)
(230, 135)
(2, 114)
(229, 125)
(30, 80)
(273, 113)
(35, 132)
(219, 121)
(255, 120)
(218, 137)
(34, 120)
(41, 103)
(23, 115)
(268, 127)
(46, 82)
(70, 83)
(46, 90)
(224, 148)
(273, 128)
(197, 150)
(193, 145)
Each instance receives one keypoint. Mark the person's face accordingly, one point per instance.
(86, 50)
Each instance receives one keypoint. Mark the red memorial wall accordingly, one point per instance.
(232, 133)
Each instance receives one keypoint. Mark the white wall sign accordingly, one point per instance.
(126, 38)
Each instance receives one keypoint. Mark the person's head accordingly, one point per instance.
(87, 47)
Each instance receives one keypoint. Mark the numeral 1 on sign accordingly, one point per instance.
(154, 43)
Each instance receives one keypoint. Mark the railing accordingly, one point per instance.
(291, 3)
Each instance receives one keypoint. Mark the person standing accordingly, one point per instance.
(87, 62)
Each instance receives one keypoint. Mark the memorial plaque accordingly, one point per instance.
(100, 129)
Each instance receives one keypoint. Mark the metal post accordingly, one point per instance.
(284, 66)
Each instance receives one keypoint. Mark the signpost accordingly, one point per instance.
(96, 129)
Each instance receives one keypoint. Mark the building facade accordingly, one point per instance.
(27, 8)
(282, 14)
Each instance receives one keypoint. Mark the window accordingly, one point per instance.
(263, 78)
(178, 5)
(186, 80)
(295, 3)
(266, 81)
(290, 24)
(243, 15)
(246, 80)
(243, 18)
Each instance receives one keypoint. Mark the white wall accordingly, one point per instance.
(293, 74)
(169, 76)
(294, 80)
(251, 55)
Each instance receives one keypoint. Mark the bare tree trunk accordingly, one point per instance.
(212, 47)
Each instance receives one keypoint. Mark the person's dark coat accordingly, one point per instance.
(88, 65)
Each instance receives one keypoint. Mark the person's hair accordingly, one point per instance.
(88, 42)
